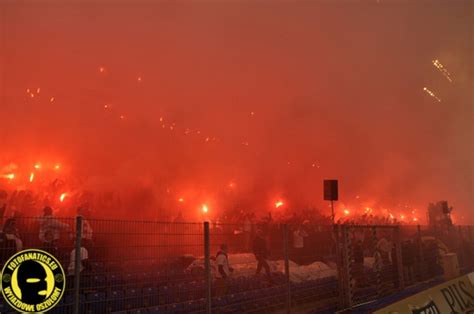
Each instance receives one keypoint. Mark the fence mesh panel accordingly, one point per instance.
(143, 265)
(159, 267)
(370, 262)
(250, 247)
(313, 266)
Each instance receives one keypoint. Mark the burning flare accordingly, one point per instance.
(9, 176)
(442, 69)
(431, 94)
(279, 204)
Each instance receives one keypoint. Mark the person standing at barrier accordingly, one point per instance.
(261, 253)
(10, 241)
(382, 265)
(84, 265)
(223, 270)
(467, 250)
(395, 270)
(299, 236)
(358, 262)
(408, 261)
(50, 231)
(86, 232)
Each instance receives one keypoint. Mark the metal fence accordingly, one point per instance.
(378, 261)
(160, 267)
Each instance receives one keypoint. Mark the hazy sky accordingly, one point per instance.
(287, 93)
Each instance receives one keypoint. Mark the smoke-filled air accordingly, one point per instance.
(150, 110)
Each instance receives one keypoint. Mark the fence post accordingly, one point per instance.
(471, 244)
(421, 262)
(77, 263)
(207, 265)
(340, 264)
(287, 268)
(398, 252)
(458, 248)
(378, 263)
(346, 262)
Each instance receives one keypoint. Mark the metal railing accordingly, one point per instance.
(161, 267)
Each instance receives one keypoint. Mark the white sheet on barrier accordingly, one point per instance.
(245, 265)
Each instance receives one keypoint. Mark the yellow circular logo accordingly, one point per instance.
(33, 281)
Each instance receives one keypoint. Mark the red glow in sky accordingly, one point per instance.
(196, 94)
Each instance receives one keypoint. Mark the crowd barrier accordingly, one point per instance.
(163, 267)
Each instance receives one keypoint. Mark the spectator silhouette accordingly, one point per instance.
(10, 241)
(50, 231)
(224, 270)
(261, 253)
(299, 236)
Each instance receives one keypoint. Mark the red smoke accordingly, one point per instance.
(235, 105)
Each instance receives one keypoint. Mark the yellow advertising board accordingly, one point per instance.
(454, 296)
